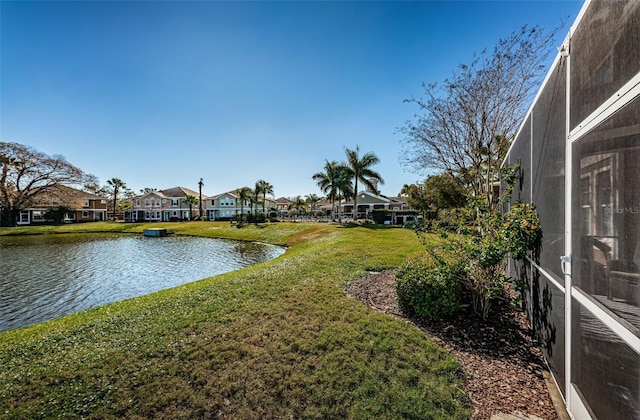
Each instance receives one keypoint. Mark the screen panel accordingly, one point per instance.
(521, 152)
(548, 323)
(606, 207)
(548, 175)
(604, 368)
(605, 54)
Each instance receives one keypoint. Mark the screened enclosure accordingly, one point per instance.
(579, 151)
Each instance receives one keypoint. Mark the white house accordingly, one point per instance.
(164, 205)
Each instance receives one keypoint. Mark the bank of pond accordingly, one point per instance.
(47, 276)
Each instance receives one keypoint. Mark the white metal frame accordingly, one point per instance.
(577, 408)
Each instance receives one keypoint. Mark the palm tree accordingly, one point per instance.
(327, 182)
(344, 187)
(191, 200)
(312, 202)
(200, 184)
(256, 195)
(117, 184)
(243, 195)
(265, 188)
(298, 204)
(360, 168)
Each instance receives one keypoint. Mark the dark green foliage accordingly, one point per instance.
(429, 287)
(521, 229)
(379, 216)
(259, 217)
(57, 214)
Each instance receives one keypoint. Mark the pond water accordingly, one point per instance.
(46, 276)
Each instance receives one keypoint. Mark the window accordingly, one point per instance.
(147, 202)
(24, 217)
(86, 203)
(138, 202)
(38, 216)
(85, 214)
(175, 202)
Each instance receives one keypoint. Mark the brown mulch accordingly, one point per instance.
(500, 357)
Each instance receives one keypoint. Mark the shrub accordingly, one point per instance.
(379, 216)
(259, 217)
(521, 229)
(429, 287)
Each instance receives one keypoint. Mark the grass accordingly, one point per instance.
(278, 339)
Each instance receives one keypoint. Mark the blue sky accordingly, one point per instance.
(162, 93)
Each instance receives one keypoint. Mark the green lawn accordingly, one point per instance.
(279, 339)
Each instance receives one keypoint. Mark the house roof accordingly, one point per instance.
(233, 194)
(73, 192)
(175, 192)
(283, 200)
(399, 200)
(178, 192)
(62, 195)
(369, 197)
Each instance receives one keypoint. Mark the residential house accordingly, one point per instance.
(164, 205)
(393, 210)
(282, 206)
(64, 204)
(224, 206)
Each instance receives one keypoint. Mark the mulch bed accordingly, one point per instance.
(500, 358)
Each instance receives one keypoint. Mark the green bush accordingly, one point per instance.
(429, 287)
(259, 217)
(521, 229)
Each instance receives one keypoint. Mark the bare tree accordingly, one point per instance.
(26, 173)
(466, 124)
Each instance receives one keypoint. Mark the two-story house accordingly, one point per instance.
(64, 204)
(282, 206)
(164, 205)
(224, 206)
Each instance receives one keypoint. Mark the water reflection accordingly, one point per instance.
(45, 276)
